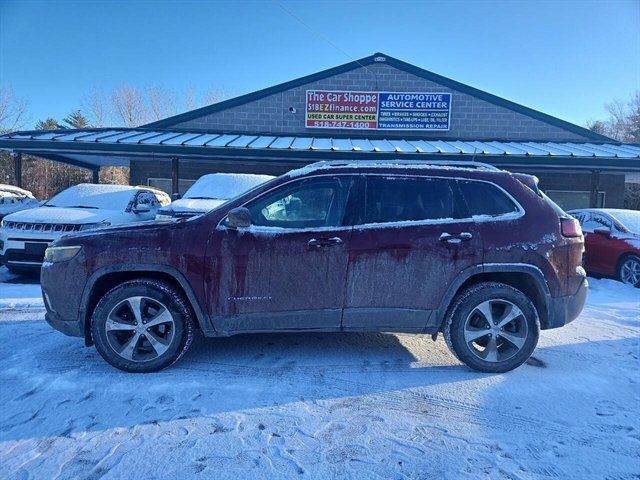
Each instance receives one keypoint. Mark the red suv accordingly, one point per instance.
(612, 242)
(468, 250)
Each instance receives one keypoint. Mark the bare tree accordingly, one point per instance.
(129, 106)
(213, 95)
(13, 110)
(162, 102)
(623, 123)
(96, 106)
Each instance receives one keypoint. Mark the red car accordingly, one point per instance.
(612, 242)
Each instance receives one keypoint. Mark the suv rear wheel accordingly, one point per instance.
(142, 326)
(492, 327)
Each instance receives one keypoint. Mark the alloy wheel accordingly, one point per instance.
(140, 329)
(495, 330)
(630, 271)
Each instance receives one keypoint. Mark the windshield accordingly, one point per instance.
(223, 186)
(109, 197)
(630, 219)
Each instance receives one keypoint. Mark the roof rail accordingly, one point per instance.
(402, 162)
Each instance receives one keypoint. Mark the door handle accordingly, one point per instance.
(457, 238)
(316, 243)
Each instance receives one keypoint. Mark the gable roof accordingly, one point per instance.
(363, 62)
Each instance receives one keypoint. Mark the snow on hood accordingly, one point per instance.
(62, 215)
(223, 186)
(192, 205)
(115, 197)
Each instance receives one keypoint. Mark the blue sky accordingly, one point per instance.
(565, 58)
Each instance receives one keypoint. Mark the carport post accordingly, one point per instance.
(96, 175)
(595, 186)
(175, 177)
(17, 158)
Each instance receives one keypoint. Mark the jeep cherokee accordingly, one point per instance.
(461, 248)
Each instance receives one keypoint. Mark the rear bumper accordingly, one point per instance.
(563, 310)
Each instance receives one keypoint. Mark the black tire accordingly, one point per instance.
(178, 334)
(464, 310)
(623, 261)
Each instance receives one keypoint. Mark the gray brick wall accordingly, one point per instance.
(471, 118)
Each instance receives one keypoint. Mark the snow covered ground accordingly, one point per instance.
(323, 405)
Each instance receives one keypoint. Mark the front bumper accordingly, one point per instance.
(19, 252)
(72, 328)
(563, 310)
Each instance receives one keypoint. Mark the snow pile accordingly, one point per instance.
(19, 293)
(328, 406)
(224, 186)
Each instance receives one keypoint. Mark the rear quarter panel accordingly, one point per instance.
(534, 239)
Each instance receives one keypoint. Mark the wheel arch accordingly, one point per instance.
(527, 278)
(624, 256)
(106, 278)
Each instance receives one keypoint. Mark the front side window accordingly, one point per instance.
(485, 199)
(390, 199)
(310, 203)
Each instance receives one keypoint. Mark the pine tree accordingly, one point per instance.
(48, 124)
(76, 120)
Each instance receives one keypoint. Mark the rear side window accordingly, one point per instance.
(593, 221)
(486, 199)
(401, 199)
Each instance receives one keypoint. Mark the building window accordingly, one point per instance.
(164, 184)
(570, 199)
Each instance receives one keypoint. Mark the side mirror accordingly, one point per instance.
(142, 208)
(239, 217)
(605, 232)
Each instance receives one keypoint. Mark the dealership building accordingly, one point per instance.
(377, 107)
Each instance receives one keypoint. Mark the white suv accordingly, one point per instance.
(14, 199)
(209, 192)
(25, 235)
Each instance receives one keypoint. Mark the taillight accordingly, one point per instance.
(570, 227)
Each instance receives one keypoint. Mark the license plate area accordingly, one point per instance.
(35, 248)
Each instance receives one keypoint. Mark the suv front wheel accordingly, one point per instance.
(142, 326)
(492, 327)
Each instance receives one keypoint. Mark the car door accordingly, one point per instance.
(599, 255)
(287, 271)
(409, 246)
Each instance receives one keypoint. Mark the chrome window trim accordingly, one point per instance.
(400, 224)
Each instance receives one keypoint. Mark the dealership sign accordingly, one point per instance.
(378, 110)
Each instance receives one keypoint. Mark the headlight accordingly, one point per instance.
(93, 226)
(60, 254)
(163, 217)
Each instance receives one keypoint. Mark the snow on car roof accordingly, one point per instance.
(90, 195)
(224, 186)
(12, 189)
(394, 163)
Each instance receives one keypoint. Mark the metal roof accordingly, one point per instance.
(116, 146)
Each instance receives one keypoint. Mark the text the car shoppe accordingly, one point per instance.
(378, 110)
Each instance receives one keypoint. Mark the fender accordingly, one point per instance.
(533, 271)
(203, 320)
